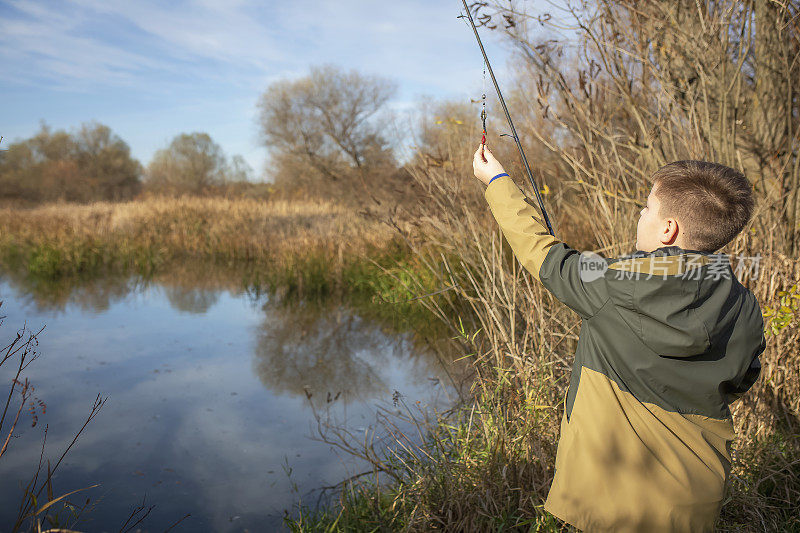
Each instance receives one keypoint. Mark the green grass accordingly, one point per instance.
(380, 284)
(80, 258)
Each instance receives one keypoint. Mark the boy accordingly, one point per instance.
(669, 338)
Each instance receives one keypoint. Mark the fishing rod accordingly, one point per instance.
(508, 118)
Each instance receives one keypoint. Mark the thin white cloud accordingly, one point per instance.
(48, 47)
(71, 41)
(224, 31)
(152, 69)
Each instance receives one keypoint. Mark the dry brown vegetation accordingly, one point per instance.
(642, 85)
(88, 164)
(192, 164)
(190, 227)
(312, 249)
(327, 134)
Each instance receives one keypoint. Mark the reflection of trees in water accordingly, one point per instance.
(329, 353)
(322, 349)
(191, 300)
(189, 287)
(87, 294)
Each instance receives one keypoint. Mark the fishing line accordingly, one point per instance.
(483, 113)
(488, 65)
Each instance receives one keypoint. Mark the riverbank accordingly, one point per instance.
(72, 239)
(225, 383)
(310, 250)
(488, 465)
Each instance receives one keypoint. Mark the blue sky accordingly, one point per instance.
(151, 70)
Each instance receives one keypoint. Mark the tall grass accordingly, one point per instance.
(627, 97)
(599, 119)
(39, 506)
(313, 250)
(59, 239)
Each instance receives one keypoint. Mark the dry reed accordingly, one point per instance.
(193, 226)
(600, 118)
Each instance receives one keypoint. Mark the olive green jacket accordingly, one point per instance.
(668, 340)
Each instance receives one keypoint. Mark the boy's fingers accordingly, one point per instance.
(480, 154)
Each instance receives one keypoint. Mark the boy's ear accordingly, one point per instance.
(670, 232)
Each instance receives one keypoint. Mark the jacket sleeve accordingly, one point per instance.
(549, 260)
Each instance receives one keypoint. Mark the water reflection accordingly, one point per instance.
(95, 295)
(189, 287)
(332, 356)
(191, 300)
(208, 386)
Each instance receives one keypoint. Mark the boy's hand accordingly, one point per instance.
(485, 171)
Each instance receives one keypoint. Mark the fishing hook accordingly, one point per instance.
(508, 116)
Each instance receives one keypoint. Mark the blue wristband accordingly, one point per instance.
(498, 176)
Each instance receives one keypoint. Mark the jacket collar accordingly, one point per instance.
(666, 251)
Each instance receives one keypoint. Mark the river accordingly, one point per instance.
(213, 396)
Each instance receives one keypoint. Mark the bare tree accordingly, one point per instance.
(105, 163)
(192, 163)
(324, 130)
(239, 170)
(90, 164)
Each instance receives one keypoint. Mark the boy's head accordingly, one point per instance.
(696, 205)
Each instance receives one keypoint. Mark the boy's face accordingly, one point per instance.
(653, 231)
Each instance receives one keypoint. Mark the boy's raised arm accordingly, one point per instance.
(549, 260)
(520, 222)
